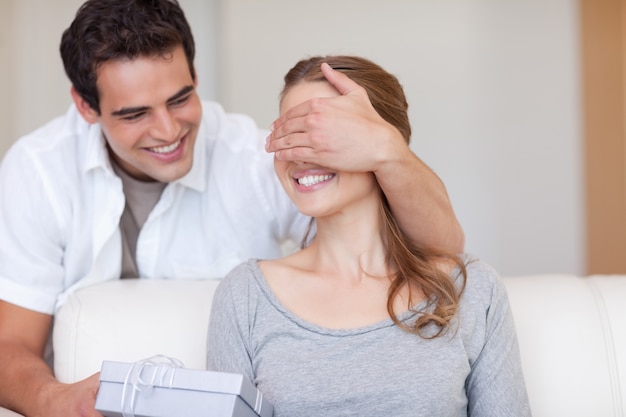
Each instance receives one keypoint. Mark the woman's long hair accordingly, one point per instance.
(415, 266)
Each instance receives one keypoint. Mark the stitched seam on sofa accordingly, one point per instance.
(609, 344)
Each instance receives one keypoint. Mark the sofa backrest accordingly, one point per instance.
(571, 331)
(129, 320)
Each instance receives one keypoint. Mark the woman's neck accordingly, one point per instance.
(348, 245)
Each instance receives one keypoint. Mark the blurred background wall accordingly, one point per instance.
(494, 90)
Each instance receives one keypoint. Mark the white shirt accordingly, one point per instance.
(61, 202)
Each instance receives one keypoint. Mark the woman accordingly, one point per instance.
(361, 321)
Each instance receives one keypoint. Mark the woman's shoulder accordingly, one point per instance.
(238, 281)
(477, 267)
(482, 281)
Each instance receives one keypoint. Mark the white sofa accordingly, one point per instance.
(571, 330)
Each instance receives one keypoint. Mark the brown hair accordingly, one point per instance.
(415, 265)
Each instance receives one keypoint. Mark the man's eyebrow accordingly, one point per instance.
(125, 111)
(183, 91)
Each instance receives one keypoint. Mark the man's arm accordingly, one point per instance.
(27, 384)
(346, 133)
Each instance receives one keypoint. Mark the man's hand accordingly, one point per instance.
(72, 400)
(343, 133)
(27, 384)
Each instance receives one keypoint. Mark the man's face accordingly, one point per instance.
(150, 115)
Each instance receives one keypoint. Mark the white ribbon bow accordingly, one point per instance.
(165, 368)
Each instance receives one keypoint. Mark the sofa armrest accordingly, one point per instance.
(572, 338)
(129, 320)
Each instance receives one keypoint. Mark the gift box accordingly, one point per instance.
(157, 388)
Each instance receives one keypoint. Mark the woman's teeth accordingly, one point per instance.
(166, 149)
(310, 180)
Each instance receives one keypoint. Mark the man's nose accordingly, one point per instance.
(165, 126)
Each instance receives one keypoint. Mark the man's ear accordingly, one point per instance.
(90, 115)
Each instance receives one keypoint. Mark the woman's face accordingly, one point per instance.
(318, 191)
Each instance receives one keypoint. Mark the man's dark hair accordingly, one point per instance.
(105, 30)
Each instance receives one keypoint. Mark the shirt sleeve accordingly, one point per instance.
(495, 386)
(228, 343)
(31, 235)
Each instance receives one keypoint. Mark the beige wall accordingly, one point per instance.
(36, 88)
(494, 94)
(493, 86)
(6, 74)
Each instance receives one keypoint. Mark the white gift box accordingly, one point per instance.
(151, 388)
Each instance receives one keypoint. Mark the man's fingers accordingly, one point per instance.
(285, 129)
(300, 154)
(292, 140)
(339, 80)
(297, 111)
(344, 85)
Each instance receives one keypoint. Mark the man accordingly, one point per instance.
(141, 179)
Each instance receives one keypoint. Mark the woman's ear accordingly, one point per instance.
(90, 115)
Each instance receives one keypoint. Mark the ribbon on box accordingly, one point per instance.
(258, 404)
(164, 370)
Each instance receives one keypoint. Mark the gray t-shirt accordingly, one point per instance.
(141, 197)
(378, 370)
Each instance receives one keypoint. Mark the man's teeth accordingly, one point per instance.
(313, 179)
(166, 149)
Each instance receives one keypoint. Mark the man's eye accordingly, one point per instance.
(180, 101)
(132, 117)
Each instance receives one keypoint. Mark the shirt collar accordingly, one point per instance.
(97, 155)
(196, 178)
